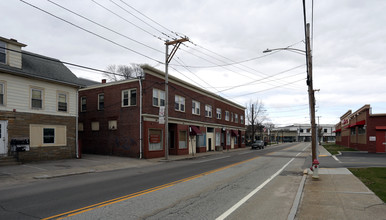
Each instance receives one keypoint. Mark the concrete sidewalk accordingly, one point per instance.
(338, 194)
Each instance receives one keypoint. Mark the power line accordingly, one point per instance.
(100, 25)
(90, 32)
(140, 28)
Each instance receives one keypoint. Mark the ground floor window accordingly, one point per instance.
(155, 139)
(201, 140)
(218, 138)
(228, 138)
(182, 140)
(236, 140)
(48, 135)
(361, 129)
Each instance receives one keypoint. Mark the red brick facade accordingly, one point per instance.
(362, 130)
(125, 140)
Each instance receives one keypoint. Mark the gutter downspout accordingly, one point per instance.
(77, 124)
(140, 119)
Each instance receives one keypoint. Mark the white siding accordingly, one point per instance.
(18, 96)
(14, 58)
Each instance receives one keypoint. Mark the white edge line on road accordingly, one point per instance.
(243, 200)
(333, 156)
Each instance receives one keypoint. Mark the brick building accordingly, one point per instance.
(122, 118)
(362, 130)
(38, 105)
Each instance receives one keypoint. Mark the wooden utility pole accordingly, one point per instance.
(168, 58)
(311, 92)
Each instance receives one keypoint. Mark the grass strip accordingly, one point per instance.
(334, 148)
(374, 178)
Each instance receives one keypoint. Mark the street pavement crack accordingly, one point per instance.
(19, 212)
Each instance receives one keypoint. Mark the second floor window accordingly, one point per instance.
(83, 104)
(158, 97)
(129, 97)
(62, 102)
(208, 111)
(218, 113)
(179, 103)
(37, 98)
(241, 119)
(2, 92)
(226, 116)
(236, 118)
(2, 52)
(101, 101)
(195, 108)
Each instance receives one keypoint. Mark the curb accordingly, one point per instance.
(45, 176)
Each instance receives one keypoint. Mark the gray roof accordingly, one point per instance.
(38, 66)
(87, 82)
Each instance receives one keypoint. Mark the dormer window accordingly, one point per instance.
(2, 52)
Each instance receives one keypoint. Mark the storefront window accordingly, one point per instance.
(361, 129)
(352, 130)
(218, 138)
(228, 138)
(182, 140)
(155, 139)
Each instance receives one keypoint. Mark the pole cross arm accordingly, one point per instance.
(176, 44)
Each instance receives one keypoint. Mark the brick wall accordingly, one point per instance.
(18, 127)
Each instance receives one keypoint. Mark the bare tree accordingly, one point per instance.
(256, 116)
(123, 72)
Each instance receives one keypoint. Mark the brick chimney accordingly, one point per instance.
(103, 81)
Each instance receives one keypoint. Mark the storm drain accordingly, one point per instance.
(291, 173)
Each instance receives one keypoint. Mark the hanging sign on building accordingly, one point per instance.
(161, 115)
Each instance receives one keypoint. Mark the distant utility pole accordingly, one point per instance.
(168, 58)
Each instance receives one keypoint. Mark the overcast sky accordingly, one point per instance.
(224, 54)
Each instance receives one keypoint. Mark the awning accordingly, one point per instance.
(338, 130)
(193, 130)
(380, 127)
(363, 122)
(234, 133)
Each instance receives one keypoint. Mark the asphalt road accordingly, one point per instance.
(203, 188)
(353, 159)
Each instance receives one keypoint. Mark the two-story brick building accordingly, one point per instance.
(38, 105)
(362, 130)
(122, 118)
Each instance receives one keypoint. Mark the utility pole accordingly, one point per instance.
(168, 58)
(311, 93)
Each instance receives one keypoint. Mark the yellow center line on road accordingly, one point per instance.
(140, 193)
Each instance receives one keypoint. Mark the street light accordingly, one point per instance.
(311, 95)
(285, 48)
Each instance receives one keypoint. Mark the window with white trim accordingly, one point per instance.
(3, 53)
(83, 104)
(158, 98)
(37, 98)
(101, 101)
(242, 119)
(2, 93)
(155, 139)
(218, 113)
(179, 104)
(208, 111)
(232, 118)
(226, 116)
(236, 118)
(129, 97)
(62, 102)
(195, 107)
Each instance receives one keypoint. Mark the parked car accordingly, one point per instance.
(258, 145)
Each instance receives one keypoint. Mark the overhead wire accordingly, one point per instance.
(90, 32)
(107, 28)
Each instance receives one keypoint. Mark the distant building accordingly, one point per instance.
(125, 118)
(362, 130)
(302, 133)
(38, 105)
